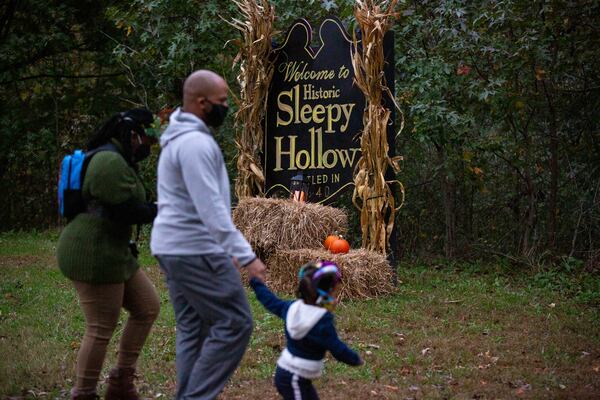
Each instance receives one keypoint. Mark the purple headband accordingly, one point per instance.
(327, 267)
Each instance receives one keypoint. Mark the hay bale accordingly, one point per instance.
(271, 224)
(365, 274)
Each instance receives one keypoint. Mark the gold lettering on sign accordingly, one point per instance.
(295, 71)
(279, 152)
(290, 111)
(310, 93)
(314, 157)
(312, 119)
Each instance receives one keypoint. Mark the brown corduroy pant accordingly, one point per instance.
(101, 305)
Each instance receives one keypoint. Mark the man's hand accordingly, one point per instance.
(256, 269)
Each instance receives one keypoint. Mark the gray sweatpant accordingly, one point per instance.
(214, 322)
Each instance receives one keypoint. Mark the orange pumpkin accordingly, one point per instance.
(330, 239)
(339, 246)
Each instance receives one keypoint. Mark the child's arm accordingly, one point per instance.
(338, 349)
(267, 298)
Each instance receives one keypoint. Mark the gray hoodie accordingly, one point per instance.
(194, 205)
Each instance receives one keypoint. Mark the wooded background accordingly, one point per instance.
(501, 100)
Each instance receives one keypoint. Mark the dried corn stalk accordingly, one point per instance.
(254, 78)
(372, 193)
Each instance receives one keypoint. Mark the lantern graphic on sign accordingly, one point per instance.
(299, 186)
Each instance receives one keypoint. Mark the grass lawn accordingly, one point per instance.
(461, 331)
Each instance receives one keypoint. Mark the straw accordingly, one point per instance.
(365, 274)
(273, 224)
(255, 73)
(372, 195)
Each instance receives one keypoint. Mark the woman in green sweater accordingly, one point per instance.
(95, 253)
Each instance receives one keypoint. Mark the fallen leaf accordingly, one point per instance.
(414, 388)
(539, 73)
(463, 70)
(521, 391)
(392, 388)
(373, 346)
(425, 351)
(452, 301)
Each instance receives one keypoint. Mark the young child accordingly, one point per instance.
(309, 329)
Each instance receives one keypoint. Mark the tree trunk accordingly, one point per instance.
(554, 171)
(450, 214)
(468, 220)
(448, 195)
(530, 216)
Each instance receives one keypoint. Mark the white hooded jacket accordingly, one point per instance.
(194, 204)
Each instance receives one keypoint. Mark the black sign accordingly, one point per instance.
(314, 113)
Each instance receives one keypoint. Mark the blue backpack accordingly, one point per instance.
(70, 184)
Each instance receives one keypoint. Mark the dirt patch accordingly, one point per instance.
(486, 387)
(27, 260)
(332, 390)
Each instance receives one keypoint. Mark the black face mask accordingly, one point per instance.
(217, 114)
(141, 152)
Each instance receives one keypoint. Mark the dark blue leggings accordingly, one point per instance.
(292, 387)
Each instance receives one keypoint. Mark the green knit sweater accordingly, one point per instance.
(94, 249)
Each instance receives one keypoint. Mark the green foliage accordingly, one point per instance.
(56, 84)
(500, 98)
(569, 277)
(486, 85)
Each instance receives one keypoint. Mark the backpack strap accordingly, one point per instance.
(94, 207)
(90, 153)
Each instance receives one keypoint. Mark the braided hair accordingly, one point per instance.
(306, 290)
(317, 282)
(119, 127)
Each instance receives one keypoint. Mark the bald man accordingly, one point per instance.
(198, 246)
